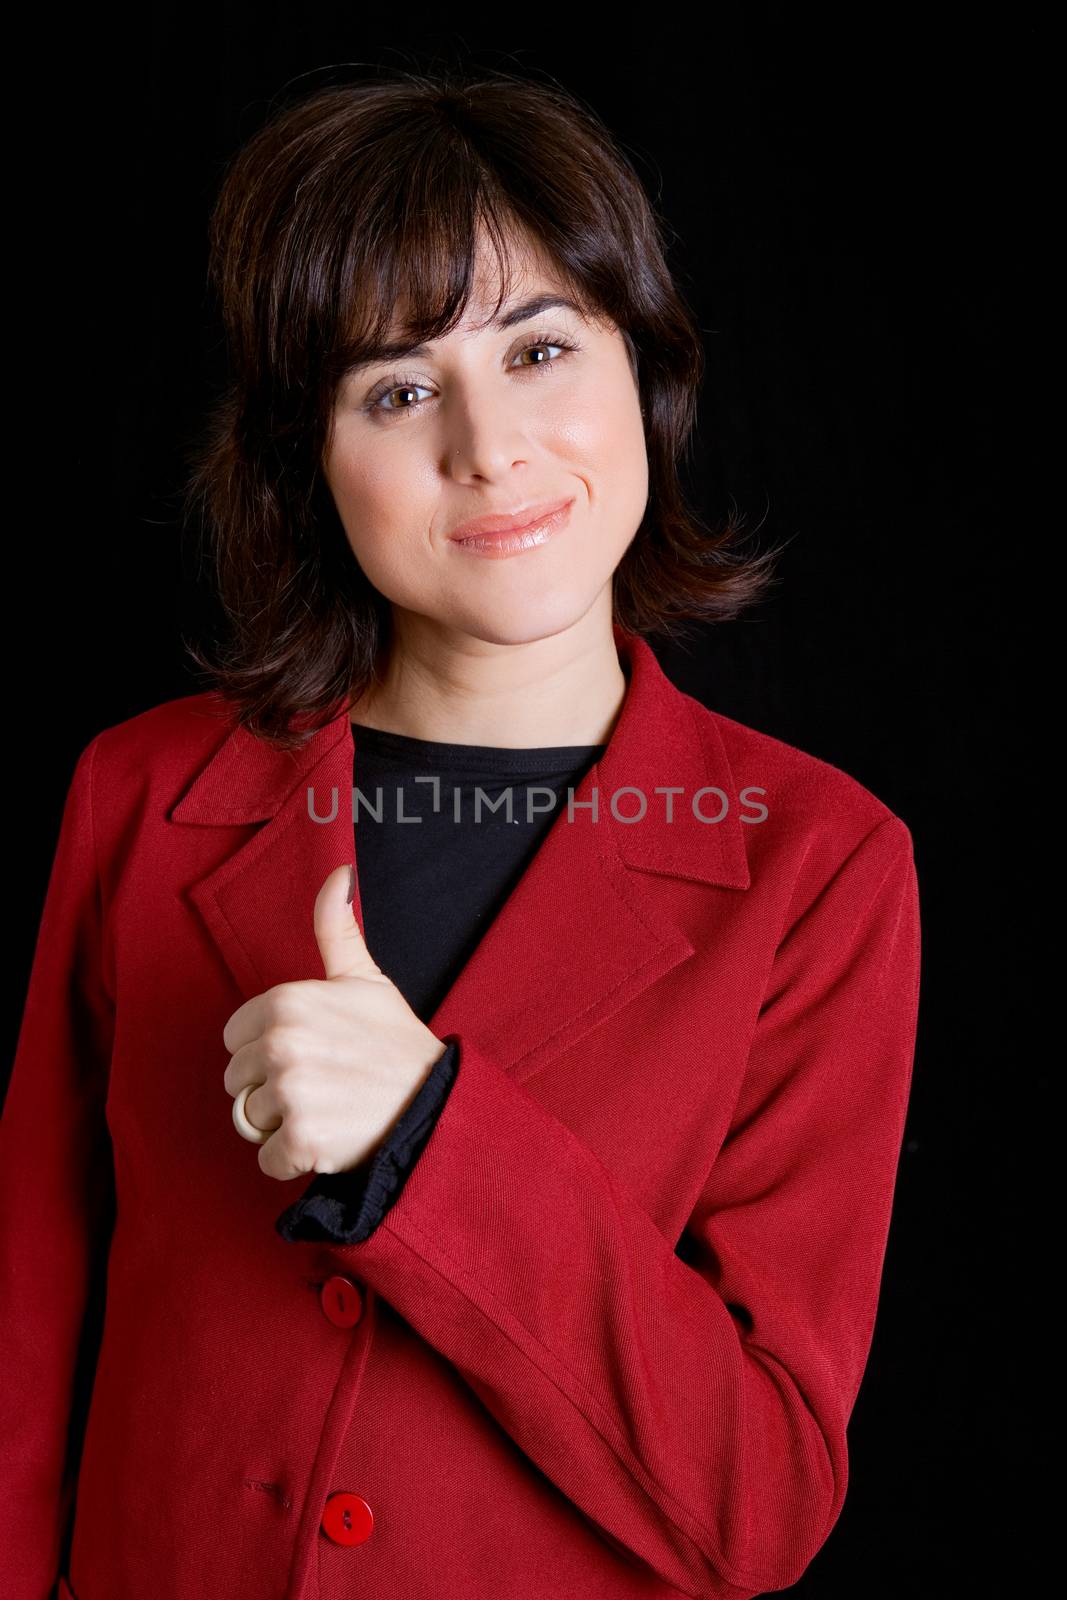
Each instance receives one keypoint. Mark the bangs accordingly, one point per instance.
(411, 267)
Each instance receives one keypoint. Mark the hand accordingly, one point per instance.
(338, 1060)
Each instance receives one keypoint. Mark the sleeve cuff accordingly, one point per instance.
(347, 1206)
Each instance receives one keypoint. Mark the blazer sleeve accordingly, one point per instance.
(56, 1203)
(348, 1206)
(691, 1402)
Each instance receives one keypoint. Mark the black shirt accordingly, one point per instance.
(429, 889)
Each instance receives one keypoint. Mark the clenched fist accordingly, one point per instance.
(338, 1060)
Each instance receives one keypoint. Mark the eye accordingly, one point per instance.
(546, 344)
(399, 384)
(404, 386)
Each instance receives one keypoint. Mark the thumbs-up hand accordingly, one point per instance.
(337, 1060)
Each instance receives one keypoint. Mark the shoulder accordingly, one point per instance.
(816, 814)
(797, 778)
(144, 763)
(171, 736)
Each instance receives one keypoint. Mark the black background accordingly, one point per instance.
(846, 192)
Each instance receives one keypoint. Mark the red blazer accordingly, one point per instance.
(607, 1341)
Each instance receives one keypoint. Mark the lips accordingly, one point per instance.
(513, 523)
(502, 544)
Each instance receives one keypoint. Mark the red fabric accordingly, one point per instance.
(614, 1326)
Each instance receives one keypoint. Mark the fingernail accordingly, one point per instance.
(351, 884)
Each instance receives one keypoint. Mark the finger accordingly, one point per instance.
(245, 1026)
(279, 1160)
(243, 1068)
(341, 944)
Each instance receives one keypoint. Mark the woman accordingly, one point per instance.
(583, 1095)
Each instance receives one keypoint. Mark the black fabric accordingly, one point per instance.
(428, 890)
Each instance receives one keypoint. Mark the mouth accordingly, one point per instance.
(512, 536)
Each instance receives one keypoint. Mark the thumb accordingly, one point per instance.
(337, 933)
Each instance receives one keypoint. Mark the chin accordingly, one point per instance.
(527, 619)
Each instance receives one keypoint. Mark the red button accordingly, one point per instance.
(341, 1301)
(348, 1519)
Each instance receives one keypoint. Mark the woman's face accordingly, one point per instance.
(492, 421)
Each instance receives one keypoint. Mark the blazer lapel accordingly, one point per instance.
(586, 928)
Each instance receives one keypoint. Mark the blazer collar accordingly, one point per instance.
(590, 910)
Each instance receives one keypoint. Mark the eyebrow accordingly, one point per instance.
(401, 350)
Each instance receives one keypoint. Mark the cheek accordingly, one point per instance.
(359, 481)
(605, 436)
(376, 493)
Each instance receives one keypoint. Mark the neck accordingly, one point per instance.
(567, 689)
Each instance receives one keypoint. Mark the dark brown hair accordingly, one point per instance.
(343, 207)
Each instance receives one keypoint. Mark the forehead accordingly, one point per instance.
(525, 270)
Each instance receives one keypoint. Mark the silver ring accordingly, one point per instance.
(246, 1129)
